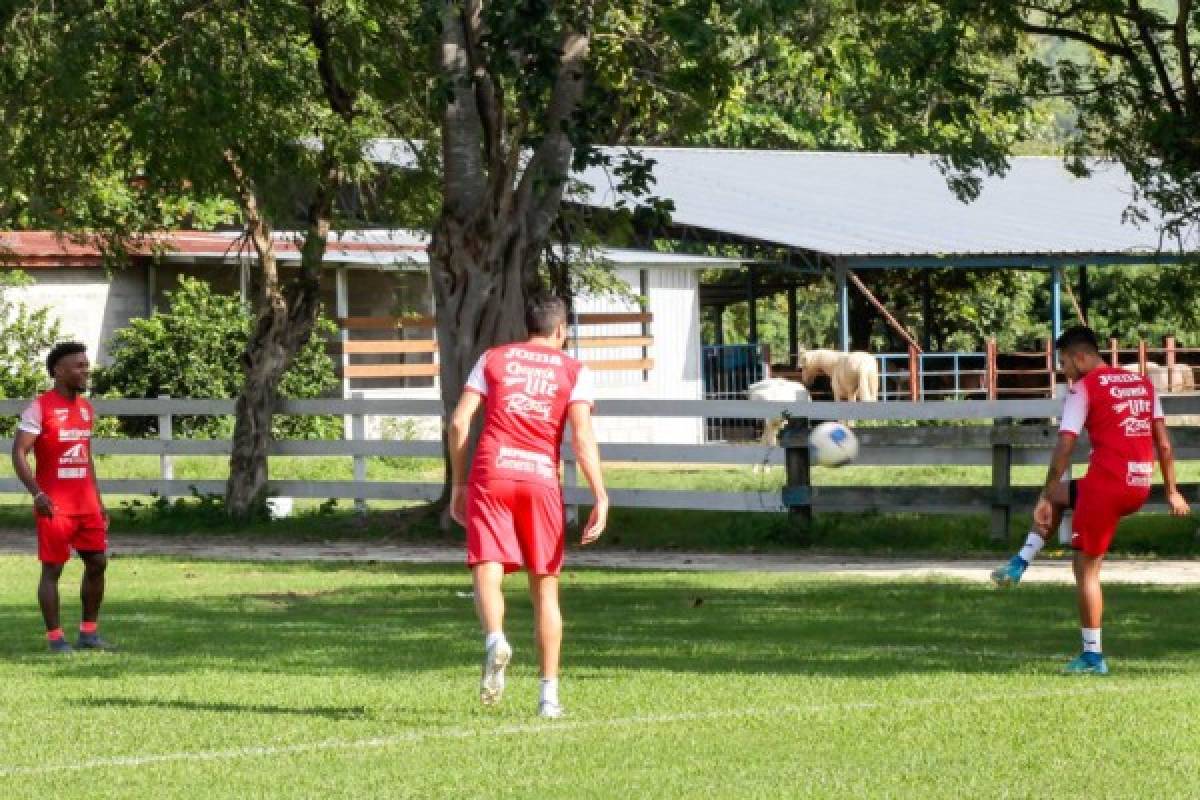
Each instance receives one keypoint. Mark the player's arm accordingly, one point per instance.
(1166, 460)
(457, 434)
(1074, 416)
(587, 456)
(22, 445)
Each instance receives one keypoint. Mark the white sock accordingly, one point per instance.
(1033, 545)
(492, 638)
(1091, 640)
(550, 691)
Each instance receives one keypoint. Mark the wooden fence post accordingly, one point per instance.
(1051, 367)
(914, 374)
(1142, 357)
(166, 462)
(570, 481)
(1114, 353)
(797, 493)
(993, 378)
(1169, 357)
(358, 432)
(1001, 478)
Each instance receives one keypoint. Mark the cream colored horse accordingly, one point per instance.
(854, 376)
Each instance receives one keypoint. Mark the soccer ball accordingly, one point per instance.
(833, 444)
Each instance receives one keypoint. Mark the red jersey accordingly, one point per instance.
(1117, 409)
(527, 390)
(62, 451)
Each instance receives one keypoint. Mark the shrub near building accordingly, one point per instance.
(193, 348)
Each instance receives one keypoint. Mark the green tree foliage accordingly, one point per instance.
(193, 347)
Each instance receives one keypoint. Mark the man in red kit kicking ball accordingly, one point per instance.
(511, 503)
(1125, 424)
(57, 427)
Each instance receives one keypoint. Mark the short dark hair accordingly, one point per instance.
(543, 313)
(1079, 337)
(61, 351)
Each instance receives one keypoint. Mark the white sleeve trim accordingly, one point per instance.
(584, 390)
(31, 419)
(1075, 410)
(476, 380)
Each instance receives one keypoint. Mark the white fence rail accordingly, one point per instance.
(1000, 445)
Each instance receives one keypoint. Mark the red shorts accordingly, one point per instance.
(517, 524)
(1098, 507)
(61, 532)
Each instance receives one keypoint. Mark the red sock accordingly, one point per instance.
(87, 627)
(54, 635)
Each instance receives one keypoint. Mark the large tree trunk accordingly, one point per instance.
(286, 318)
(282, 329)
(495, 217)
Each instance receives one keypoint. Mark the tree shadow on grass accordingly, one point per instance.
(629, 621)
(338, 713)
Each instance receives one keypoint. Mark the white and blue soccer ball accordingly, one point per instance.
(832, 444)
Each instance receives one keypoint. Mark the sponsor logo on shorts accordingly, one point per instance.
(527, 461)
(1139, 473)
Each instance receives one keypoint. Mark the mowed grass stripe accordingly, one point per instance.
(557, 727)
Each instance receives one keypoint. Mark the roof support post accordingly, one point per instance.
(752, 306)
(793, 332)
(843, 303)
(1056, 301)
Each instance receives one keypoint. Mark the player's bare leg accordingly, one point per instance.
(488, 578)
(1010, 574)
(1091, 613)
(543, 590)
(47, 594)
(91, 593)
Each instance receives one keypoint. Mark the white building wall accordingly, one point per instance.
(90, 304)
(673, 301)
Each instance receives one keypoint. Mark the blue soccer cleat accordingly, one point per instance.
(1010, 574)
(61, 647)
(1087, 664)
(92, 641)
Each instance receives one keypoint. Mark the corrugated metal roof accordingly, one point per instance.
(854, 204)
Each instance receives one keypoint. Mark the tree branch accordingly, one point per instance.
(1187, 69)
(462, 135)
(257, 229)
(541, 188)
(1160, 68)
(341, 100)
(1094, 42)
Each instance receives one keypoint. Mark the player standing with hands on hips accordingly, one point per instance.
(57, 428)
(511, 503)
(1124, 421)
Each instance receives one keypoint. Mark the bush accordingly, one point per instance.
(26, 335)
(194, 348)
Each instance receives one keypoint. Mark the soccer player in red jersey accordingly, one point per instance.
(1124, 421)
(57, 428)
(511, 503)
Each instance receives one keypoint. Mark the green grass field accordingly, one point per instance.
(249, 680)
